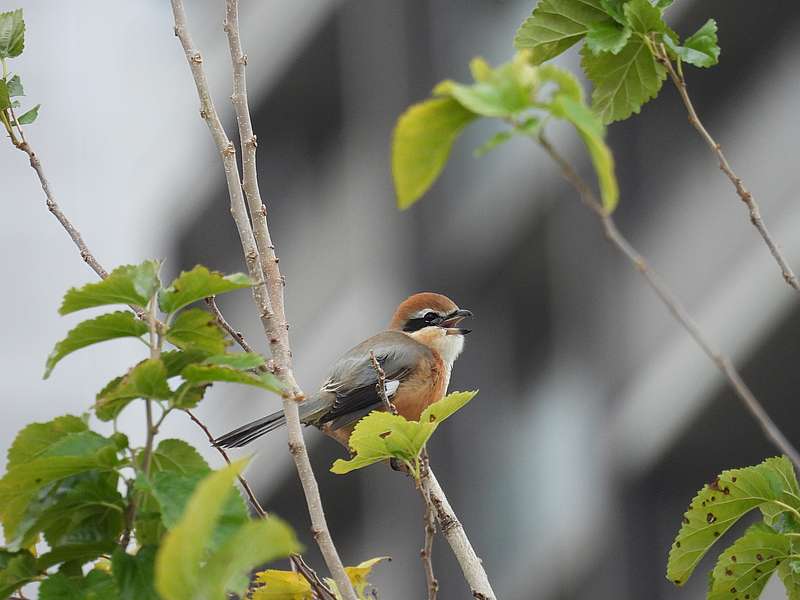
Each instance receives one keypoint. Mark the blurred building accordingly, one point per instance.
(597, 420)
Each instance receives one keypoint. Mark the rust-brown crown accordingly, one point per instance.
(417, 306)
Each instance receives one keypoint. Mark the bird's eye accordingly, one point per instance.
(430, 317)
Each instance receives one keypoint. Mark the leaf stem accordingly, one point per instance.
(744, 194)
(720, 360)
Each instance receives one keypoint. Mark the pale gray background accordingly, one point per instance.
(597, 419)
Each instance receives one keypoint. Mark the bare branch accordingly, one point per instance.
(722, 362)
(429, 522)
(453, 531)
(752, 206)
(267, 273)
(54, 208)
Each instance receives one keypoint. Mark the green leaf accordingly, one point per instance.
(592, 132)
(177, 360)
(555, 25)
(199, 283)
(129, 284)
(744, 568)
(178, 457)
(75, 555)
(421, 144)
(30, 116)
(700, 49)
(266, 540)
(720, 504)
(205, 374)
(493, 142)
(148, 380)
(97, 585)
(566, 83)
(12, 34)
(242, 361)
(381, 436)
(134, 574)
(502, 92)
(35, 439)
(183, 561)
(5, 99)
(15, 87)
(615, 9)
(105, 327)
(789, 570)
(281, 585)
(16, 569)
(662, 4)
(607, 36)
(196, 329)
(188, 395)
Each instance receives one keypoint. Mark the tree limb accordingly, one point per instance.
(268, 292)
(722, 362)
(752, 206)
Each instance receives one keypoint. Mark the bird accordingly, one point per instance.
(416, 354)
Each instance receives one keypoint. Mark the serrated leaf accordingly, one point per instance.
(243, 361)
(30, 116)
(623, 82)
(196, 329)
(34, 440)
(16, 569)
(129, 284)
(700, 49)
(592, 133)
(188, 395)
(178, 457)
(12, 34)
(105, 327)
(147, 380)
(97, 585)
(614, 9)
(720, 504)
(14, 86)
(281, 585)
(789, 570)
(134, 574)
(75, 555)
(205, 374)
(744, 568)
(607, 36)
(421, 144)
(177, 360)
(381, 436)
(199, 283)
(501, 137)
(359, 574)
(556, 25)
(502, 92)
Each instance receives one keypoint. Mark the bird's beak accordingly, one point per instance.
(457, 331)
(455, 317)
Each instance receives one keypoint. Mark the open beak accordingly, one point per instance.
(453, 319)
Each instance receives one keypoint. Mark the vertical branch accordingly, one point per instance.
(429, 522)
(453, 532)
(743, 193)
(268, 291)
(721, 361)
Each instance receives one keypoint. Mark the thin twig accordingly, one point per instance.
(381, 385)
(245, 485)
(54, 208)
(429, 522)
(268, 292)
(722, 362)
(234, 333)
(453, 532)
(752, 206)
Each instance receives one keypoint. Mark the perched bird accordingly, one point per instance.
(416, 355)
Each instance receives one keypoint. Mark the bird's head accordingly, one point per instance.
(428, 309)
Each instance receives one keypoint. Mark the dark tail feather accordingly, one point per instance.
(247, 433)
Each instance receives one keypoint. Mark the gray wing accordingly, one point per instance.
(352, 383)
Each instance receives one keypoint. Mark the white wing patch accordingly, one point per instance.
(391, 387)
